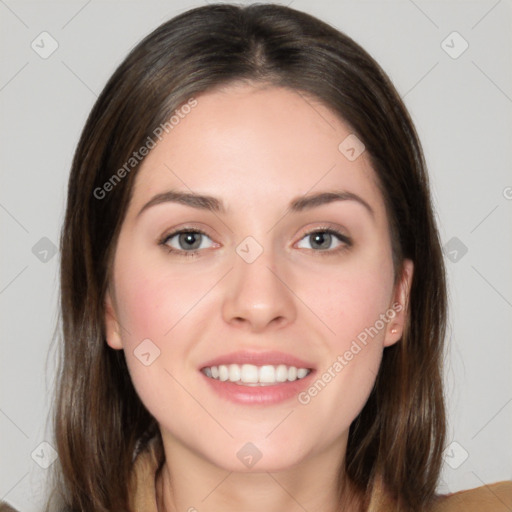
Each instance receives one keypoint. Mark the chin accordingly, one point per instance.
(266, 455)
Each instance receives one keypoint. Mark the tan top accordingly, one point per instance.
(488, 498)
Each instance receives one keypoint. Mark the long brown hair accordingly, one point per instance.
(99, 419)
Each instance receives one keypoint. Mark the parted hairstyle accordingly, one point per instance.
(98, 420)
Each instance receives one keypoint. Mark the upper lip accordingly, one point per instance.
(272, 357)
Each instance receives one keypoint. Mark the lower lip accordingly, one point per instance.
(265, 395)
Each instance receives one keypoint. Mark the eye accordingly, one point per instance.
(186, 241)
(325, 240)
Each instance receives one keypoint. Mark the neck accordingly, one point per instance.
(199, 486)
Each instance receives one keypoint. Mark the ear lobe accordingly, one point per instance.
(112, 330)
(400, 305)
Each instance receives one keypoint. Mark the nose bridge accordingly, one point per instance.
(255, 294)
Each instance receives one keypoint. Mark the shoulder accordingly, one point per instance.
(495, 497)
(5, 507)
(147, 460)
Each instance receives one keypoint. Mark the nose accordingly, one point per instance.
(257, 295)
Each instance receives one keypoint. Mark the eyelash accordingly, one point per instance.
(346, 241)
(186, 254)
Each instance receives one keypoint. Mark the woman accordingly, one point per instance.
(253, 290)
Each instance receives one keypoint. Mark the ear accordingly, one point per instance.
(400, 305)
(112, 328)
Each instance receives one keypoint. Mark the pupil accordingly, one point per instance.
(190, 240)
(323, 239)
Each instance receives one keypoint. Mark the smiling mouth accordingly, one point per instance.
(253, 375)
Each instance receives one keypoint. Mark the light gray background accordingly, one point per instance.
(462, 109)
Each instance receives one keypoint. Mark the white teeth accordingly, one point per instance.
(248, 373)
(223, 373)
(234, 372)
(267, 374)
(301, 373)
(282, 373)
(251, 375)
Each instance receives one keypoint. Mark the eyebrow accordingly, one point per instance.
(210, 203)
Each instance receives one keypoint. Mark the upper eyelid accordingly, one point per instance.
(174, 232)
(329, 227)
(323, 225)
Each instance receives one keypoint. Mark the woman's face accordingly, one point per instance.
(291, 275)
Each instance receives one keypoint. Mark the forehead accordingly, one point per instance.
(255, 148)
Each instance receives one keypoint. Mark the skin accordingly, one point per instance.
(256, 149)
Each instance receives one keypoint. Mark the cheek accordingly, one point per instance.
(153, 307)
(351, 299)
(157, 307)
(152, 300)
